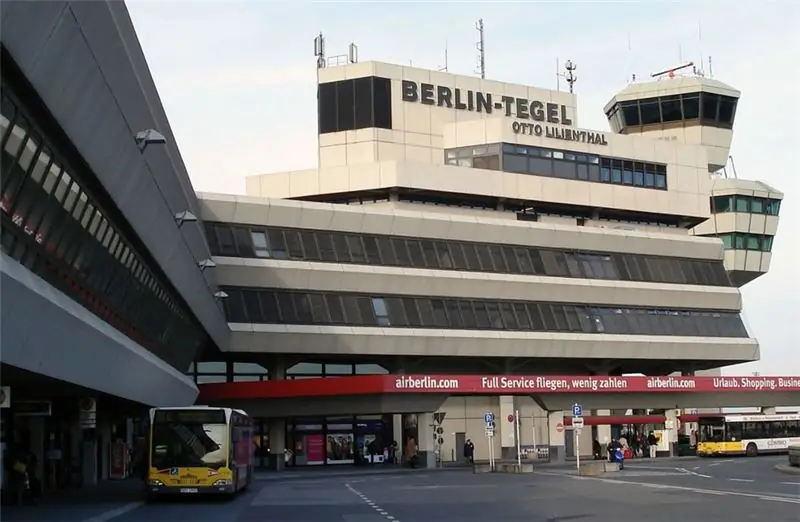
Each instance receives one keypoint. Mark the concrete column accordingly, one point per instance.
(277, 368)
(604, 430)
(506, 431)
(558, 447)
(277, 444)
(397, 434)
(425, 440)
(672, 432)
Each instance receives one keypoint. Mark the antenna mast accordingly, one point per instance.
(570, 74)
(444, 67)
(481, 50)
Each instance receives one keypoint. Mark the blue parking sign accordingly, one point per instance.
(488, 418)
(577, 410)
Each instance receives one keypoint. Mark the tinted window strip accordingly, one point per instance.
(245, 305)
(439, 254)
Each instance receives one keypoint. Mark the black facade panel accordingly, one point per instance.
(84, 61)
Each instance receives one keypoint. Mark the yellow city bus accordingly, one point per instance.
(199, 450)
(749, 435)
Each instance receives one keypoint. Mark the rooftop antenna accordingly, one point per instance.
(698, 70)
(352, 53)
(569, 75)
(670, 73)
(319, 53)
(443, 68)
(710, 69)
(481, 50)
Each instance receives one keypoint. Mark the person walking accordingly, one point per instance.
(652, 443)
(469, 451)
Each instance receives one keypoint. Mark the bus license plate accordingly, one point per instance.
(188, 490)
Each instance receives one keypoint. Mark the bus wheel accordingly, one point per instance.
(752, 450)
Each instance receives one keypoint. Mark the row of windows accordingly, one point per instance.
(355, 104)
(614, 219)
(367, 249)
(710, 109)
(583, 167)
(742, 241)
(745, 204)
(326, 308)
(221, 371)
(54, 226)
(736, 431)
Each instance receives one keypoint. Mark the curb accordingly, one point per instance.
(317, 476)
(787, 469)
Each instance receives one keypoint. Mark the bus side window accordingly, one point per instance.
(734, 432)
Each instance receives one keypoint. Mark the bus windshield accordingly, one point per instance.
(711, 430)
(181, 441)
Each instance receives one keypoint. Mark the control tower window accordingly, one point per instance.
(671, 109)
(630, 113)
(650, 112)
(727, 107)
(691, 106)
(354, 104)
(708, 107)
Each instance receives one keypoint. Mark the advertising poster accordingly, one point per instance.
(315, 448)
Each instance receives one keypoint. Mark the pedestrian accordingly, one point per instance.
(652, 442)
(469, 451)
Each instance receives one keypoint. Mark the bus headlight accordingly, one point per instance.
(223, 482)
(154, 483)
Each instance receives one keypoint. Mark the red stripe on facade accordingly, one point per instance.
(490, 385)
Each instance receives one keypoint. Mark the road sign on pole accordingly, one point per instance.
(577, 410)
(578, 423)
(488, 418)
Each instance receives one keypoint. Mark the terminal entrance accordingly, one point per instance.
(356, 440)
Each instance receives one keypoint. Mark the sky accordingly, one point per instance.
(238, 82)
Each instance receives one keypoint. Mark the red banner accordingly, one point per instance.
(491, 385)
(515, 384)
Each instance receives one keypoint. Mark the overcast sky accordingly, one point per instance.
(238, 83)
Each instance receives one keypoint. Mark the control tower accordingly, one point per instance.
(682, 105)
(691, 109)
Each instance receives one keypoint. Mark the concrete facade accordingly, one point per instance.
(84, 62)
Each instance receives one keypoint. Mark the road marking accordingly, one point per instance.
(761, 496)
(741, 480)
(692, 473)
(114, 513)
(370, 503)
(721, 462)
(791, 483)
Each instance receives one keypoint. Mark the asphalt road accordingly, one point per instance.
(729, 490)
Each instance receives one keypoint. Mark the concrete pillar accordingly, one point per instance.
(506, 430)
(555, 422)
(672, 429)
(277, 444)
(425, 440)
(604, 430)
(397, 434)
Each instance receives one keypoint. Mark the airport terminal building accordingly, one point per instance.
(105, 302)
(460, 225)
(455, 226)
